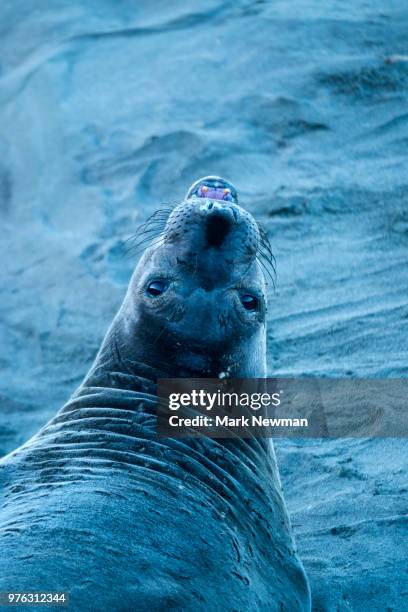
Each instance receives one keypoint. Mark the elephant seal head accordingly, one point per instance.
(197, 301)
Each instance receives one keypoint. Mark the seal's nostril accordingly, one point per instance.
(210, 205)
(217, 226)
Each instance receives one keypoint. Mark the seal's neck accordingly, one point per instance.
(116, 407)
(112, 370)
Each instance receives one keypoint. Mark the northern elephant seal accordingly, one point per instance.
(96, 505)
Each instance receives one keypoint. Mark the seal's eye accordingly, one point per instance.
(156, 287)
(249, 302)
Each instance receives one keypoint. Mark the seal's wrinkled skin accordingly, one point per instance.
(96, 505)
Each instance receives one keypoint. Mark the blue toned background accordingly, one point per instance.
(110, 108)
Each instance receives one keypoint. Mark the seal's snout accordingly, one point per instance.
(219, 208)
(213, 236)
(218, 225)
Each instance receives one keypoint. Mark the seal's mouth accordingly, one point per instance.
(213, 188)
(218, 226)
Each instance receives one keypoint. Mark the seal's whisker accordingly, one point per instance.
(265, 242)
(267, 251)
(159, 218)
(135, 249)
(151, 222)
(266, 255)
(267, 270)
(150, 235)
(148, 231)
(269, 256)
(267, 259)
(135, 241)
